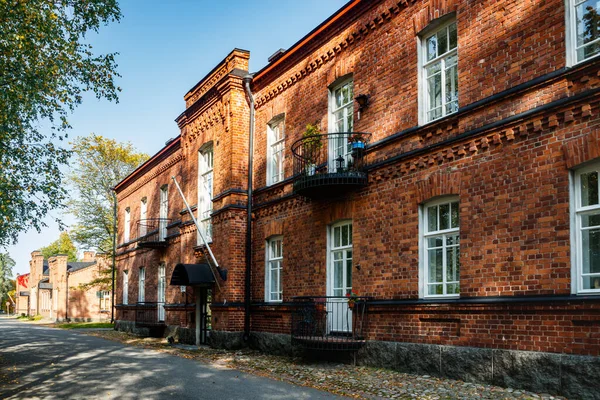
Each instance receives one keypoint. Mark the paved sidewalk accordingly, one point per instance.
(347, 380)
(38, 362)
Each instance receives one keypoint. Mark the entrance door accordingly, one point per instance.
(203, 314)
(340, 277)
(162, 282)
(164, 210)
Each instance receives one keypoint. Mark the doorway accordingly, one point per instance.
(339, 281)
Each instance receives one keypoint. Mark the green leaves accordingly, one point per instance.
(45, 67)
(6, 266)
(62, 245)
(100, 164)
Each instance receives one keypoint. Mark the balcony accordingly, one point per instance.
(153, 232)
(329, 323)
(330, 164)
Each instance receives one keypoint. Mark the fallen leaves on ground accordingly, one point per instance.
(352, 381)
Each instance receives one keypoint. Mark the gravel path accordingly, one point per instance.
(341, 379)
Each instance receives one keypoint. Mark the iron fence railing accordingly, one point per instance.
(154, 230)
(147, 314)
(330, 153)
(329, 322)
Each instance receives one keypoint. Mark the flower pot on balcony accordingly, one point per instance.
(358, 144)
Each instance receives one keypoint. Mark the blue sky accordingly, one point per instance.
(167, 46)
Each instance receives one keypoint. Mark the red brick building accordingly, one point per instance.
(53, 289)
(439, 159)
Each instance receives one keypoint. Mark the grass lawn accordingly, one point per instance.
(85, 325)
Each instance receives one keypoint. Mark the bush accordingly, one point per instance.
(35, 318)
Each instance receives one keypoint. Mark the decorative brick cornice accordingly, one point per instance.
(152, 175)
(329, 53)
(236, 59)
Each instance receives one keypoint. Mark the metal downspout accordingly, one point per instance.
(248, 281)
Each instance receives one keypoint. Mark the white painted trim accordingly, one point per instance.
(268, 269)
(275, 121)
(423, 272)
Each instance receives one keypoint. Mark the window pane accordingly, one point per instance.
(431, 48)
(453, 37)
(350, 234)
(590, 220)
(349, 273)
(452, 267)
(588, 21)
(434, 90)
(432, 219)
(591, 251)
(435, 242)
(436, 289)
(452, 240)
(336, 237)
(454, 215)
(453, 288)
(345, 235)
(589, 189)
(442, 39)
(451, 96)
(338, 274)
(435, 265)
(273, 279)
(444, 216)
(338, 98)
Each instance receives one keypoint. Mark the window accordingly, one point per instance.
(341, 259)
(439, 66)
(127, 228)
(143, 217)
(341, 106)
(205, 192)
(583, 35)
(275, 148)
(586, 251)
(142, 285)
(440, 248)
(104, 296)
(162, 286)
(125, 287)
(163, 213)
(273, 271)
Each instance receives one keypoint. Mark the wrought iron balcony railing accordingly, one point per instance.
(329, 322)
(153, 232)
(330, 164)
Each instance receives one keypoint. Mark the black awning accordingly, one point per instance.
(192, 275)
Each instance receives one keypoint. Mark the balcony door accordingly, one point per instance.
(341, 120)
(339, 277)
(164, 211)
(162, 286)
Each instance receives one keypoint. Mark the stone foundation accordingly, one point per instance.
(181, 335)
(568, 375)
(226, 340)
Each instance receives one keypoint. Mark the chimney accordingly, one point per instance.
(89, 256)
(36, 265)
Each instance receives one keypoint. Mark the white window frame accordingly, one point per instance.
(571, 33)
(125, 287)
(338, 143)
(143, 228)
(423, 64)
(142, 285)
(161, 290)
(331, 249)
(127, 227)
(273, 263)
(163, 212)
(205, 191)
(577, 211)
(104, 300)
(423, 247)
(275, 145)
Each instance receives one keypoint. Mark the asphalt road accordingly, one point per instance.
(46, 363)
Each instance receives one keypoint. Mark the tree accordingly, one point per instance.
(6, 281)
(62, 245)
(100, 164)
(45, 68)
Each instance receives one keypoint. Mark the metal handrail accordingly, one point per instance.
(313, 154)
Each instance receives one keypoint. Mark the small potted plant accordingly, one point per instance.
(352, 298)
(357, 143)
(312, 145)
